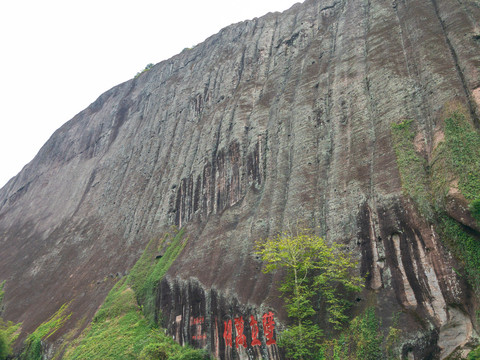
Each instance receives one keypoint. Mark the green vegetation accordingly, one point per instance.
(412, 166)
(314, 270)
(461, 154)
(454, 165)
(2, 292)
(465, 247)
(120, 330)
(363, 340)
(147, 68)
(474, 355)
(392, 340)
(165, 350)
(4, 346)
(455, 162)
(148, 271)
(33, 344)
(365, 332)
(8, 334)
(462, 150)
(455, 159)
(475, 209)
(9, 331)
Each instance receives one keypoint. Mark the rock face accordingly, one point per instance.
(275, 120)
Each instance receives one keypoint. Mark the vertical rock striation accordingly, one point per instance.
(274, 120)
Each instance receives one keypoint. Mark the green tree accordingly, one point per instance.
(313, 269)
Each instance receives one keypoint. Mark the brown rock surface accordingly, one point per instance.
(272, 120)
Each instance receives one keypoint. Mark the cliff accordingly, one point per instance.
(271, 121)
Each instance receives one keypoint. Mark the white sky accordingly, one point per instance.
(58, 56)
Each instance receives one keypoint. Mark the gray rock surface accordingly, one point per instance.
(271, 121)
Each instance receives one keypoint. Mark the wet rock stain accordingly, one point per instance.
(211, 191)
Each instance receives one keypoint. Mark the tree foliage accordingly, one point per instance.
(314, 269)
(4, 346)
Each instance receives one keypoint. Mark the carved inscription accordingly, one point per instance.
(197, 323)
(268, 323)
(227, 333)
(254, 328)
(241, 339)
(268, 328)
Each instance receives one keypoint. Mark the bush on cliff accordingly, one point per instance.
(8, 334)
(4, 347)
(8, 330)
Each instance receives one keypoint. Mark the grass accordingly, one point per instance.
(33, 349)
(145, 277)
(118, 331)
(125, 326)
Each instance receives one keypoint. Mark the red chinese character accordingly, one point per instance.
(227, 333)
(240, 339)
(254, 328)
(268, 327)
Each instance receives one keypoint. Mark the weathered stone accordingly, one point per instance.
(271, 121)
(457, 208)
(455, 333)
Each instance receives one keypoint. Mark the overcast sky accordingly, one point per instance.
(58, 56)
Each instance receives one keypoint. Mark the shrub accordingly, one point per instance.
(147, 67)
(155, 351)
(192, 354)
(368, 340)
(4, 346)
(475, 209)
(474, 355)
